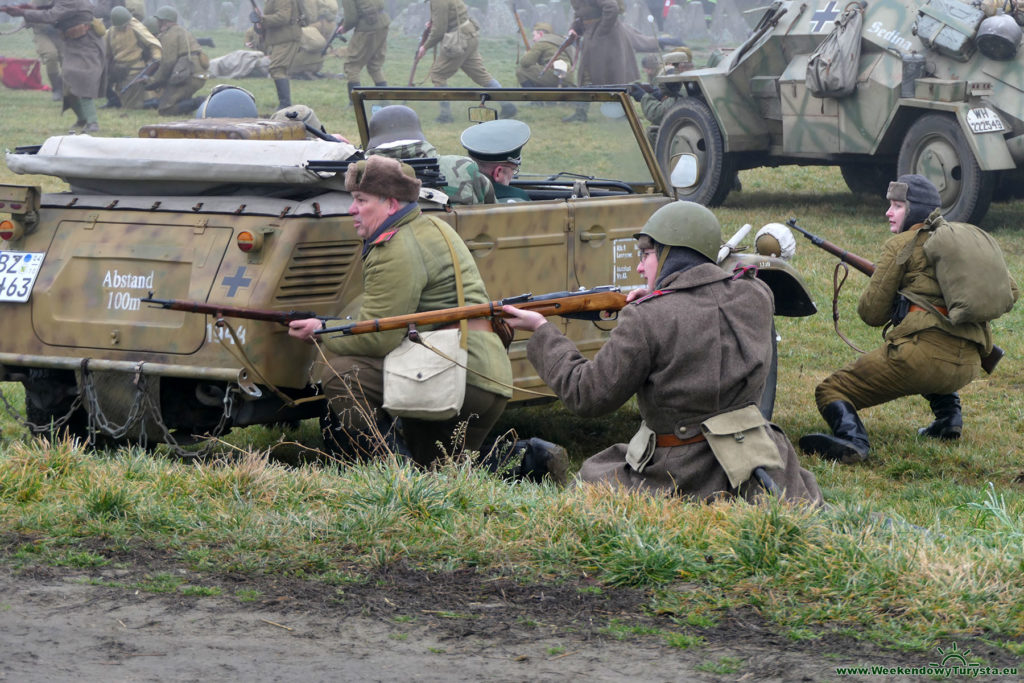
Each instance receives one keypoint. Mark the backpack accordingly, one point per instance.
(832, 67)
(971, 272)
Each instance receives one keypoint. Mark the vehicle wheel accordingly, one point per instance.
(935, 148)
(767, 402)
(870, 179)
(49, 395)
(690, 128)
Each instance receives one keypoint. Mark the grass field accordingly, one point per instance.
(922, 544)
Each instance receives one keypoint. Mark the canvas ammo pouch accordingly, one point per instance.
(641, 448)
(741, 443)
(427, 380)
(182, 70)
(971, 271)
(455, 43)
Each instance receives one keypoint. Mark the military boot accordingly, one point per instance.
(446, 113)
(579, 115)
(949, 421)
(848, 442)
(57, 83)
(543, 458)
(508, 110)
(350, 85)
(284, 92)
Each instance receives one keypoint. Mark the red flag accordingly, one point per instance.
(21, 74)
(664, 10)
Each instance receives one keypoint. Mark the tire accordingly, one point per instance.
(868, 179)
(690, 127)
(49, 395)
(935, 148)
(767, 402)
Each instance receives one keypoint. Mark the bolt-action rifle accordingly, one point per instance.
(587, 304)
(221, 311)
(416, 57)
(256, 17)
(519, 23)
(337, 34)
(146, 72)
(566, 44)
(988, 363)
(24, 6)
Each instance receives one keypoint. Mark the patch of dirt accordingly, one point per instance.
(93, 624)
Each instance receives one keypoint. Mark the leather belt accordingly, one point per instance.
(915, 307)
(663, 440)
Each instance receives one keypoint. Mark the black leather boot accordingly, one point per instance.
(848, 442)
(579, 115)
(949, 421)
(530, 459)
(284, 92)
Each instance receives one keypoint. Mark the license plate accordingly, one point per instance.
(984, 120)
(18, 271)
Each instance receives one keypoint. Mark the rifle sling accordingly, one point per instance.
(837, 285)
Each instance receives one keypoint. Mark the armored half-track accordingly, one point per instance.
(263, 224)
(938, 89)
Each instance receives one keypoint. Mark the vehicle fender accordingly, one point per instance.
(792, 298)
(743, 128)
(990, 149)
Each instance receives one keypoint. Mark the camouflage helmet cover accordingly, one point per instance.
(685, 224)
(120, 16)
(167, 13)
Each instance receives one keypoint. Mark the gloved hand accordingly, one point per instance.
(636, 91)
(255, 17)
(655, 92)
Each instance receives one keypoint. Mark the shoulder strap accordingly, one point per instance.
(463, 325)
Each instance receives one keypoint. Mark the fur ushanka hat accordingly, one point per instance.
(384, 177)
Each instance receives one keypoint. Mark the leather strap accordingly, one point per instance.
(663, 440)
(915, 307)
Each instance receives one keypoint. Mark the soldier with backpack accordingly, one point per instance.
(937, 284)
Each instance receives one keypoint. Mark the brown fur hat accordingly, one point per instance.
(383, 177)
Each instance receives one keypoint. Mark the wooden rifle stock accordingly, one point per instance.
(282, 317)
(519, 23)
(416, 57)
(597, 300)
(25, 6)
(558, 53)
(988, 363)
(146, 72)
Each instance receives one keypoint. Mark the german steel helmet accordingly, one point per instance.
(228, 101)
(119, 16)
(685, 224)
(167, 13)
(393, 123)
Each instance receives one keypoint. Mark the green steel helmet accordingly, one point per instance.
(119, 16)
(393, 123)
(685, 224)
(152, 24)
(167, 13)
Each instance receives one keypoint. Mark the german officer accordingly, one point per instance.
(497, 147)
(659, 351)
(924, 353)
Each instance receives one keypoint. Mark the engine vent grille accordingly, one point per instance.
(317, 269)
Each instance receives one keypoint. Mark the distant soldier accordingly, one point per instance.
(655, 100)
(102, 9)
(84, 55)
(281, 31)
(48, 41)
(606, 57)
(137, 8)
(368, 46)
(545, 44)
(497, 147)
(395, 132)
(130, 47)
(182, 69)
(309, 62)
(458, 38)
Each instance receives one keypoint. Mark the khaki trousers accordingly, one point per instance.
(366, 49)
(927, 362)
(444, 68)
(354, 386)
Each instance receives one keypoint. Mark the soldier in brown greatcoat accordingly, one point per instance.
(83, 53)
(606, 57)
(694, 346)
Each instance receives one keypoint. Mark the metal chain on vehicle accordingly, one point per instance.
(53, 424)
